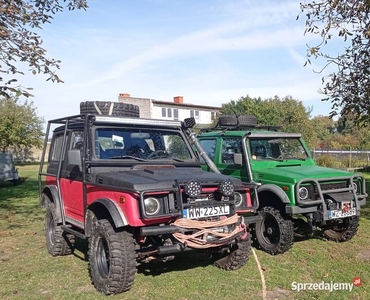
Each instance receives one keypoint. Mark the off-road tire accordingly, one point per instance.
(227, 120)
(58, 242)
(344, 232)
(232, 121)
(110, 108)
(247, 120)
(279, 236)
(112, 258)
(237, 255)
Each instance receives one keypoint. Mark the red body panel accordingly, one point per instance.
(72, 194)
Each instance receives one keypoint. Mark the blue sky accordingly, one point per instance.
(209, 52)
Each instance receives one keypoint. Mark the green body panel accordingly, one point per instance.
(284, 173)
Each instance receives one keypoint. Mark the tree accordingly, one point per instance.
(18, 41)
(287, 112)
(324, 128)
(348, 88)
(20, 127)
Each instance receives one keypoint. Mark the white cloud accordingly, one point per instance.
(246, 47)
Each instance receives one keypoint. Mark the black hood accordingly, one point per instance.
(148, 179)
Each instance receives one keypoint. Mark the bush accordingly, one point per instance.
(341, 163)
(329, 162)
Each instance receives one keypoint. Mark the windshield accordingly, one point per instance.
(277, 148)
(145, 144)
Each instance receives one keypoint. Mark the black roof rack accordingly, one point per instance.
(240, 128)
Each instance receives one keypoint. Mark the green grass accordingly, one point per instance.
(29, 272)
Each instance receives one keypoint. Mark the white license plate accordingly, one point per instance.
(206, 211)
(335, 214)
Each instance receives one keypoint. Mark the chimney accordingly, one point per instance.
(124, 95)
(178, 99)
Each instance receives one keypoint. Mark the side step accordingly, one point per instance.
(68, 228)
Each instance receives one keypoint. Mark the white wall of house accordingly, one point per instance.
(167, 112)
(153, 109)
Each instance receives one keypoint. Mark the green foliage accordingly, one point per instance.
(323, 128)
(287, 112)
(348, 88)
(20, 127)
(319, 132)
(341, 163)
(329, 162)
(19, 43)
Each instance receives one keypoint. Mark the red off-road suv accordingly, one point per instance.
(135, 189)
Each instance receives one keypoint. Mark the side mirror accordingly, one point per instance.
(74, 158)
(238, 159)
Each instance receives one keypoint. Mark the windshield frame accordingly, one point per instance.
(125, 132)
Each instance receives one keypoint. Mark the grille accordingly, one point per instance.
(331, 186)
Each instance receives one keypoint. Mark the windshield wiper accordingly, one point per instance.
(166, 157)
(128, 157)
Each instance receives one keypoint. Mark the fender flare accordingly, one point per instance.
(55, 198)
(278, 191)
(118, 216)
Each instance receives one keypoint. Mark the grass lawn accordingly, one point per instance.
(29, 272)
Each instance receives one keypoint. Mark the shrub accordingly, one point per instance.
(329, 162)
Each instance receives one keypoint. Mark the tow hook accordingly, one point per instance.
(243, 227)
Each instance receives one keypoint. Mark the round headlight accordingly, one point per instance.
(355, 186)
(303, 193)
(238, 199)
(226, 188)
(152, 206)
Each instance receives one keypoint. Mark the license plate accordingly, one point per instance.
(206, 211)
(336, 214)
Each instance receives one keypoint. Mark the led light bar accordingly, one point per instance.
(137, 121)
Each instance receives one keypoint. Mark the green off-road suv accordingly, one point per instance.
(296, 197)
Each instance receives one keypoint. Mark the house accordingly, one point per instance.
(176, 110)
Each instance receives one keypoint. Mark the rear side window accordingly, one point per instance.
(57, 148)
(209, 147)
(77, 140)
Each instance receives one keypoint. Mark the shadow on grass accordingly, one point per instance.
(20, 202)
(82, 247)
(27, 189)
(182, 261)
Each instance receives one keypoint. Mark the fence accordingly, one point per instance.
(350, 159)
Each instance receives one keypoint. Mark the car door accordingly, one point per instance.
(72, 178)
(230, 146)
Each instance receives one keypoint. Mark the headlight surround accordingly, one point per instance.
(303, 193)
(355, 186)
(238, 199)
(152, 206)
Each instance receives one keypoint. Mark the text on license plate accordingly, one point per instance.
(206, 211)
(335, 214)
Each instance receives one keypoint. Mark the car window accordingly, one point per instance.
(230, 146)
(142, 143)
(77, 140)
(57, 148)
(277, 148)
(209, 147)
